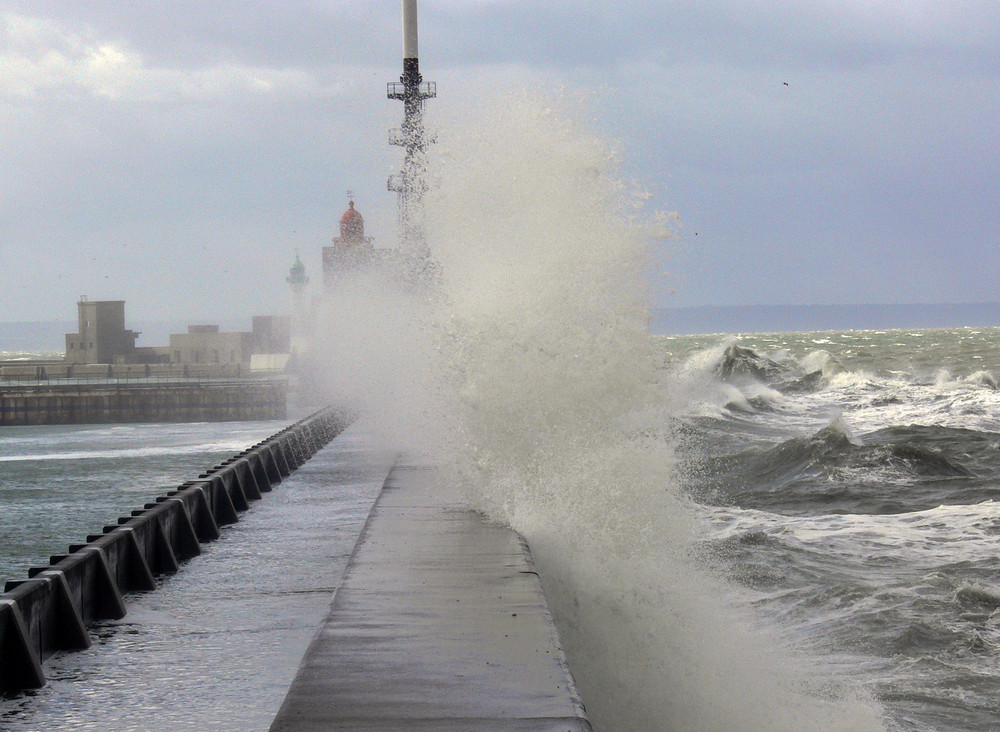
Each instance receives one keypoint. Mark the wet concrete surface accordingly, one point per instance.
(439, 623)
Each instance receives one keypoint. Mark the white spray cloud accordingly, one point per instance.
(526, 366)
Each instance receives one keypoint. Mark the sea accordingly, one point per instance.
(756, 532)
(849, 482)
(60, 483)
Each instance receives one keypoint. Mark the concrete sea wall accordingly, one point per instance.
(38, 371)
(100, 403)
(52, 609)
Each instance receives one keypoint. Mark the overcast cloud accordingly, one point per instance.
(823, 152)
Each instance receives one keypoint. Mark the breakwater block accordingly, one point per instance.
(439, 624)
(21, 668)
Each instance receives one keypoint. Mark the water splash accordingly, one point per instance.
(535, 379)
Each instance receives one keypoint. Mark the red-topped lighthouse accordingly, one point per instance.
(352, 226)
(352, 250)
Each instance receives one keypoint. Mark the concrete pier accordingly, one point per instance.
(438, 624)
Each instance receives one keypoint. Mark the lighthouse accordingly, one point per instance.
(412, 90)
(352, 250)
(298, 280)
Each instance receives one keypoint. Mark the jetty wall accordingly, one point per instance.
(438, 623)
(52, 370)
(102, 403)
(52, 609)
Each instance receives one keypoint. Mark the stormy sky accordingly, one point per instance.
(177, 154)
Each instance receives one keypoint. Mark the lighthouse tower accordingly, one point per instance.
(297, 278)
(300, 325)
(352, 250)
(352, 227)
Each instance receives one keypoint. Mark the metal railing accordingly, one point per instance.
(398, 90)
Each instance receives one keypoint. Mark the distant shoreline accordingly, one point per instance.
(804, 318)
(48, 336)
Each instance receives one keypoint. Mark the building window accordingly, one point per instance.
(177, 356)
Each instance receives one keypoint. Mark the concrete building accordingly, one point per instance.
(104, 340)
(272, 343)
(102, 336)
(204, 344)
(271, 333)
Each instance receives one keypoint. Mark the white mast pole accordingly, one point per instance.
(410, 29)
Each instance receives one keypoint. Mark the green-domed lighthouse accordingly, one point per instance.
(300, 326)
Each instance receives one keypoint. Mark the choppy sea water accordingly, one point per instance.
(851, 481)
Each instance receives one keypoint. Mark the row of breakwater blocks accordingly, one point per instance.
(52, 609)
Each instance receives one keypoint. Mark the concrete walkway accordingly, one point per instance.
(439, 624)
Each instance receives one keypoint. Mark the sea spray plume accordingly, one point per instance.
(556, 422)
(537, 275)
(374, 353)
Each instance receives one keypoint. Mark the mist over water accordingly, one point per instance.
(526, 368)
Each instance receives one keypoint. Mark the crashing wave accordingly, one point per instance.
(780, 370)
(982, 378)
(823, 362)
(738, 361)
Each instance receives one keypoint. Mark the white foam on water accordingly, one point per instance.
(141, 452)
(920, 540)
(47, 443)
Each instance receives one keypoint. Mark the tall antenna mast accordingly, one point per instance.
(412, 90)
